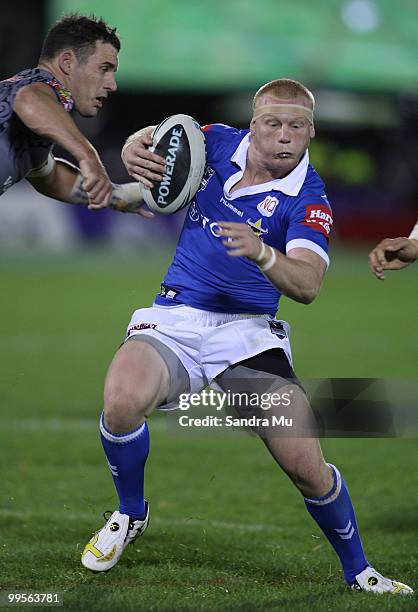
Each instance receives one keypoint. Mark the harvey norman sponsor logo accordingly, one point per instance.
(318, 217)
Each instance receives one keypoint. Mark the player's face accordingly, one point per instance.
(279, 140)
(93, 79)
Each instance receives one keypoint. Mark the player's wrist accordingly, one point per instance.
(266, 258)
(126, 197)
(86, 155)
(135, 138)
(415, 244)
(126, 146)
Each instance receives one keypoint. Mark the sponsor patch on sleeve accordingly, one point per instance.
(319, 218)
(206, 128)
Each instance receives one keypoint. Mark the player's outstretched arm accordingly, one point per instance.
(141, 163)
(37, 107)
(61, 180)
(392, 254)
(298, 274)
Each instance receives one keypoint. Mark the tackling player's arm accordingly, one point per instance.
(298, 275)
(37, 107)
(61, 180)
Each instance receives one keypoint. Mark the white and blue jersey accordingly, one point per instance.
(292, 212)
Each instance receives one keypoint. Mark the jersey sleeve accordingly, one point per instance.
(217, 140)
(64, 95)
(310, 225)
(28, 77)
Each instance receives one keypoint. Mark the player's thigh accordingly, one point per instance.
(138, 376)
(267, 390)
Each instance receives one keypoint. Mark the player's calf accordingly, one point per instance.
(312, 480)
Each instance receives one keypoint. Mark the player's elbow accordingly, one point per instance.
(306, 298)
(308, 294)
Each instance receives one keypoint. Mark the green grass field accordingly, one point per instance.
(228, 530)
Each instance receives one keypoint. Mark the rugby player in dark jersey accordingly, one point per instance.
(76, 70)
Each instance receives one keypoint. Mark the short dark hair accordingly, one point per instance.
(79, 33)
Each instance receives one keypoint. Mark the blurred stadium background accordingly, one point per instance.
(71, 278)
(207, 59)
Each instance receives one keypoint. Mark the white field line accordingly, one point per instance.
(174, 522)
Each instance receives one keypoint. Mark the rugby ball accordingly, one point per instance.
(180, 141)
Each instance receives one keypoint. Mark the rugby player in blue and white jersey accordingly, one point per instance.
(76, 70)
(257, 228)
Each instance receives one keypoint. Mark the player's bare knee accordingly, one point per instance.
(136, 383)
(122, 410)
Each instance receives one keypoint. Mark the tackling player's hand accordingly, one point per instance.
(240, 241)
(96, 182)
(137, 208)
(392, 254)
(139, 161)
(128, 197)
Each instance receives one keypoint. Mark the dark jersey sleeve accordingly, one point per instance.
(10, 87)
(20, 149)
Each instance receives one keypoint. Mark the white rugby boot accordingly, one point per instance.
(107, 545)
(370, 580)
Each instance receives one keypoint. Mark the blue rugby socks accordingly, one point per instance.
(334, 513)
(126, 456)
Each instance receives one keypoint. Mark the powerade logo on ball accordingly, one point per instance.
(177, 158)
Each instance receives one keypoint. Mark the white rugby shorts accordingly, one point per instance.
(209, 342)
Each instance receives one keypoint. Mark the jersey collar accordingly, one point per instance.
(290, 184)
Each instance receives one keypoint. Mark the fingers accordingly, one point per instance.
(142, 164)
(394, 244)
(144, 212)
(232, 225)
(142, 180)
(233, 237)
(240, 239)
(395, 264)
(234, 245)
(99, 199)
(99, 194)
(96, 183)
(390, 254)
(137, 155)
(377, 258)
(144, 175)
(375, 264)
(237, 252)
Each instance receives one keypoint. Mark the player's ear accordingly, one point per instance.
(252, 126)
(312, 131)
(66, 61)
